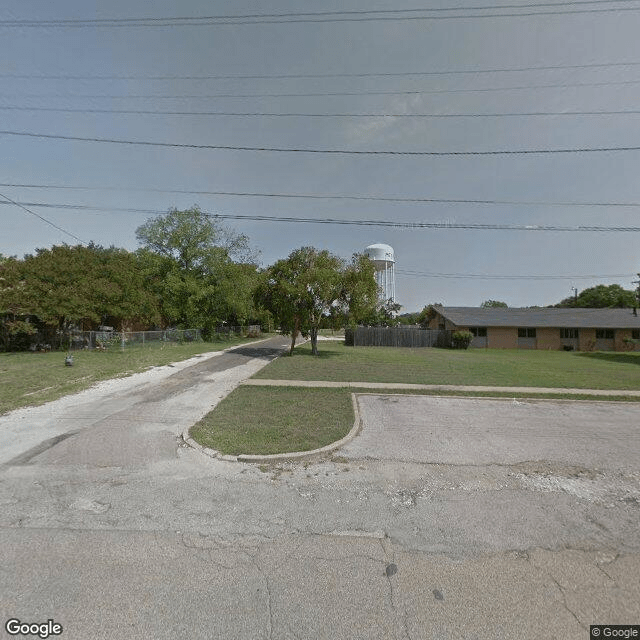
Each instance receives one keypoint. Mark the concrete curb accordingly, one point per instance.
(263, 382)
(188, 440)
(284, 457)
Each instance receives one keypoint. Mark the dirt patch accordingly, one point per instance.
(548, 469)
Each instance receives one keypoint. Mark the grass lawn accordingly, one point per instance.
(488, 367)
(268, 420)
(35, 378)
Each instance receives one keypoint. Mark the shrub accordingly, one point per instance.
(461, 339)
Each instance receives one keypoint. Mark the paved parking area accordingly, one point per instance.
(130, 540)
(467, 431)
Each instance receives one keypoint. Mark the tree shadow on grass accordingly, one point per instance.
(322, 355)
(307, 354)
(621, 358)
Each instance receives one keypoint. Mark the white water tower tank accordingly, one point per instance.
(384, 262)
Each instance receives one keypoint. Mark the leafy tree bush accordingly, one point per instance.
(203, 273)
(427, 314)
(601, 296)
(311, 285)
(408, 318)
(461, 339)
(69, 286)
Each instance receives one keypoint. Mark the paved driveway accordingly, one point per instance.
(132, 421)
(481, 431)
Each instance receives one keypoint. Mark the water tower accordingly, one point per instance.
(384, 262)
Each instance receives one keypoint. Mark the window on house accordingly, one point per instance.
(604, 334)
(479, 332)
(568, 334)
(635, 334)
(526, 332)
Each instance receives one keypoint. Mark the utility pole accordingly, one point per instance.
(575, 294)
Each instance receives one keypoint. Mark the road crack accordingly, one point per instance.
(564, 602)
(268, 589)
(391, 570)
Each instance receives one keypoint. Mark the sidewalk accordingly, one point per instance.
(442, 387)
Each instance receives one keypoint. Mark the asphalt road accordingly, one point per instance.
(444, 518)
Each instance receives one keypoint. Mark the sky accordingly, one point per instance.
(438, 88)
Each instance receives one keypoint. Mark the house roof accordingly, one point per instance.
(569, 318)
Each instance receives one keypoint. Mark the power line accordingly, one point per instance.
(267, 114)
(308, 14)
(423, 200)
(483, 276)
(368, 223)
(324, 17)
(174, 145)
(319, 94)
(33, 213)
(427, 225)
(283, 76)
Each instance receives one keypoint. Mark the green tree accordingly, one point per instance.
(601, 296)
(202, 272)
(67, 286)
(493, 304)
(190, 237)
(428, 313)
(383, 314)
(409, 318)
(119, 285)
(15, 299)
(309, 285)
(359, 298)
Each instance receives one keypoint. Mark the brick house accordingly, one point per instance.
(570, 329)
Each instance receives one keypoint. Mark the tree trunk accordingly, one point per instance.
(314, 341)
(294, 335)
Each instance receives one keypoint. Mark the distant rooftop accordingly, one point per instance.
(569, 318)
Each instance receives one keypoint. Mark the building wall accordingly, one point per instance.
(620, 344)
(548, 338)
(587, 339)
(502, 338)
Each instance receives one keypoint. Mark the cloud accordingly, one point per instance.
(384, 129)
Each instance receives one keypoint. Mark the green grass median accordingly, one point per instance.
(270, 420)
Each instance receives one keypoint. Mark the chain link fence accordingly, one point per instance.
(251, 330)
(103, 340)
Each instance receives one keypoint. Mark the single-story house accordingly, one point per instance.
(577, 328)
